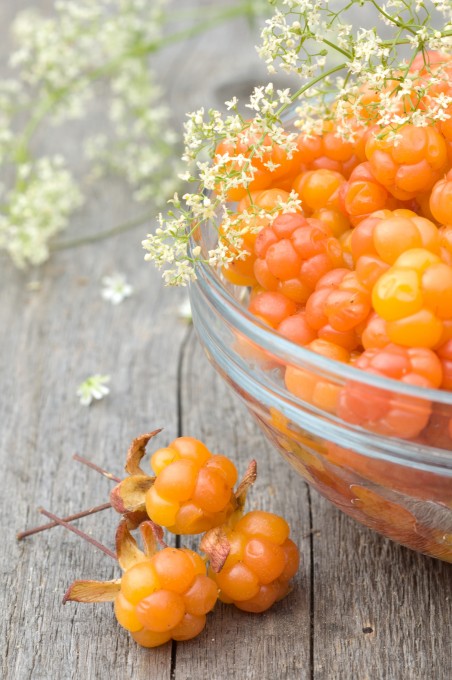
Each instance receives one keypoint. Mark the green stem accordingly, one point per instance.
(311, 83)
(393, 20)
(338, 49)
(102, 235)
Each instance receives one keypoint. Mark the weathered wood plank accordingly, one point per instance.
(277, 643)
(51, 340)
(380, 610)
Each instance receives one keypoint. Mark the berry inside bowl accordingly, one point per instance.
(378, 447)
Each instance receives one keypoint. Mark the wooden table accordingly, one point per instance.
(362, 607)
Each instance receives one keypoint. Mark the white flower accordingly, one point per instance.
(36, 209)
(93, 388)
(116, 288)
(185, 311)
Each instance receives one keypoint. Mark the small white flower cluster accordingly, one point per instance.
(92, 388)
(59, 60)
(116, 288)
(233, 143)
(351, 77)
(38, 207)
(315, 40)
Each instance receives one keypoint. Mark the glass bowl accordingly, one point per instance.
(401, 488)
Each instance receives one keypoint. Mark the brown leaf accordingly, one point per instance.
(129, 495)
(136, 452)
(247, 481)
(151, 534)
(126, 547)
(216, 545)
(92, 591)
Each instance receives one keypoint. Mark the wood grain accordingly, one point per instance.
(380, 610)
(276, 644)
(51, 339)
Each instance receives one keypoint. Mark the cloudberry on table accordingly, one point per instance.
(165, 597)
(261, 561)
(293, 253)
(192, 491)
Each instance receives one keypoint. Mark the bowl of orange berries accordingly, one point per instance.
(334, 324)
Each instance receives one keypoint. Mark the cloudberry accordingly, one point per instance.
(387, 412)
(362, 194)
(415, 297)
(293, 253)
(261, 561)
(338, 308)
(309, 386)
(328, 151)
(272, 307)
(445, 356)
(441, 200)
(267, 161)
(164, 597)
(382, 237)
(410, 164)
(241, 270)
(297, 329)
(192, 491)
(318, 189)
(335, 220)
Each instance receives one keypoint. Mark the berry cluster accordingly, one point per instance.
(166, 594)
(260, 562)
(165, 597)
(192, 491)
(362, 271)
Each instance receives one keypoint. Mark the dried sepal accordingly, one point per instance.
(136, 452)
(129, 495)
(92, 591)
(135, 518)
(152, 534)
(246, 482)
(127, 548)
(215, 544)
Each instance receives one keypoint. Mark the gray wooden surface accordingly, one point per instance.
(350, 580)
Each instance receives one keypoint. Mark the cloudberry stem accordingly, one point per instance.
(95, 467)
(80, 533)
(69, 518)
